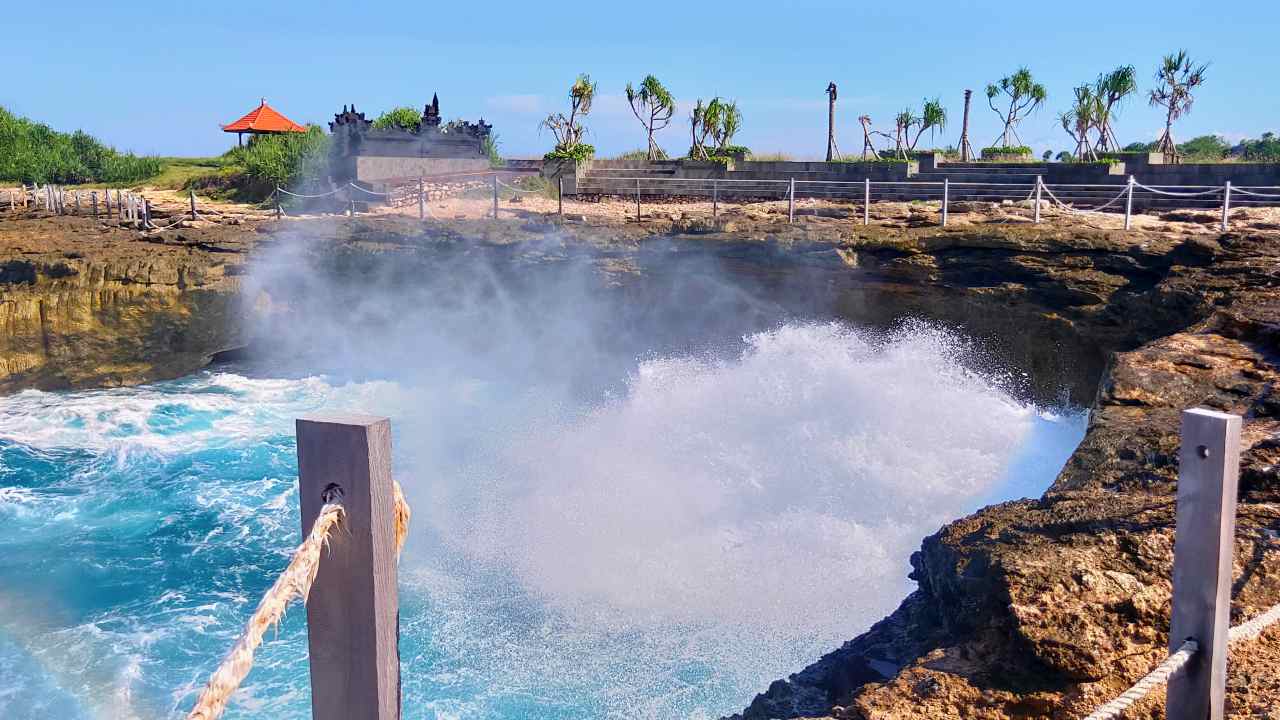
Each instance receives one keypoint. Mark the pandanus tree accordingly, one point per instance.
(718, 121)
(653, 106)
(868, 148)
(1111, 90)
(932, 117)
(902, 124)
(1178, 77)
(1023, 94)
(1083, 118)
(568, 129)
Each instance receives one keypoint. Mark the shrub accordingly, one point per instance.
(577, 153)
(489, 146)
(1005, 150)
(290, 160)
(34, 152)
(404, 118)
(1266, 148)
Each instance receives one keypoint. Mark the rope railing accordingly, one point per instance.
(295, 581)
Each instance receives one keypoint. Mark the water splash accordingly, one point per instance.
(713, 522)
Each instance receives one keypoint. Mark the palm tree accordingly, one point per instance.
(653, 106)
(568, 129)
(1083, 117)
(1177, 76)
(901, 126)
(867, 146)
(932, 117)
(1024, 94)
(1111, 89)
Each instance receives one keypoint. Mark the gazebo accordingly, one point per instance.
(262, 120)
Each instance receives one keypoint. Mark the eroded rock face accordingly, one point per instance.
(1048, 608)
(88, 306)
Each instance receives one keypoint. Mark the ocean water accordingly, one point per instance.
(660, 547)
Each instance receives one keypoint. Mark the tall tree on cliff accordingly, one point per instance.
(1024, 95)
(1081, 119)
(568, 129)
(653, 106)
(1178, 77)
(932, 117)
(831, 121)
(1111, 89)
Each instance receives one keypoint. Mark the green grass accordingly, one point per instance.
(178, 172)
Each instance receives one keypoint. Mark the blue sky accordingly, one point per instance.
(159, 77)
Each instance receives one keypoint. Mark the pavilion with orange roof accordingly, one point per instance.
(262, 120)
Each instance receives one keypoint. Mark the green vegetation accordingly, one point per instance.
(34, 152)
(568, 129)
(990, 153)
(1264, 149)
(295, 161)
(1177, 78)
(718, 120)
(653, 106)
(404, 118)
(1024, 94)
(489, 146)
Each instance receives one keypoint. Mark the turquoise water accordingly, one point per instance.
(664, 549)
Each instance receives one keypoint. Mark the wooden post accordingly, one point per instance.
(93, 200)
(1226, 204)
(560, 196)
(192, 192)
(866, 201)
(791, 202)
(422, 199)
(279, 207)
(946, 191)
(1039, 185)
(353, 610)
(146, 213)
(715, 200)
(77, 201)
(119, 204)
(495, 196)
(637, 201)
(1209, 469)
(1128, 205)
(351, 201)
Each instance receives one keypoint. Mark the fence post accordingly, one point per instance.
(93, 200)
(146, 213)
(279, 207)
(77, 200)
(495, 196)
(791, 202)
(715, 200)
(1128, 205)
(946, 190)
(192, 192)
(422, 199)
(353, 609)
(866, 201)
(637, 201)
(1208, 473)
(1226, 204)
(1039, 186)
(560, 195)
(351, 201)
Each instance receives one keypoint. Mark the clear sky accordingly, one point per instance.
(160, 76)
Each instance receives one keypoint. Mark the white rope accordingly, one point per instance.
(298, 195)
(1254, 628)
(1242, 191)
(1214, 191)
(1073, 210)
(370, 192)
(1154, 679)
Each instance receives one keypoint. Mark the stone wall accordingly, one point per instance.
(378, 169)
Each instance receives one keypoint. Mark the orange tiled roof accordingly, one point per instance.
(263, 119)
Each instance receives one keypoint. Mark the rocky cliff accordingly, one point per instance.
(87, 305)
(1047, 608)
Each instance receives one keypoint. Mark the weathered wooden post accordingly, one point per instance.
(715, 200)
(1039, 186)
(353, 610)
(560, 196)
(76, 198)
(1209, 468)
(422, 199)
(791, 202)
(1128, 205)
(866, 201)
(146, 213)
(279, 206)
(93, 200)
(637, 201)
(946, 191)
(120, 203)
(1226, 204)
(192, 192)
(495, 196)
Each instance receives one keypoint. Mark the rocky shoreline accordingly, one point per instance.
(1037, 608)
